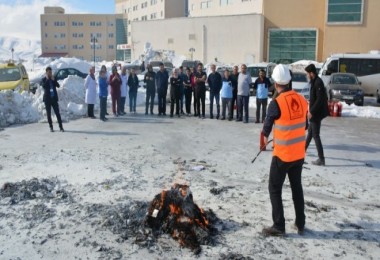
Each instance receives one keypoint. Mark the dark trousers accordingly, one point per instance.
(200, 96)
(182, 93)
(149, 101)
(226, 104)
(188, 94)
(175, 99)
(103, 107)
(277, 175)
(215, 96)
(242, 104)
(261, 103)
(115, 103)
(132, 101)
(55, 106)
(90, 110)
(233, 103)
(313, 133)
(161, 103)
(122, 104)
(196, 112)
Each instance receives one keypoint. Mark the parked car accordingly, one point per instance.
(60, 74)
(167, 64)
(13, 77)
(345, 87)
(254, 70)
(300, 84)
(190, 63)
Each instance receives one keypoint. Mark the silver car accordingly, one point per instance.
(300, 84)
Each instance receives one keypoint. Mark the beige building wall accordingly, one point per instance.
(211, 37)
(71, 34)
(140, 10)
(200, 8)
(360, 38)
(284, 15)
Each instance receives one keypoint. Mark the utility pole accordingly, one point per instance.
(191, 50)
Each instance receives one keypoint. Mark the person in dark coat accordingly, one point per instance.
(214, 81)
(50, 98)
(234, 81)
(318, 110)
(149, 80)
(200, 78)
(175, 92)
(181, 76)
(162, 78)
(261, 85)
(133, 84)
(188, 89)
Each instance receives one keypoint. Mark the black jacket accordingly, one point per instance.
(45, 83)
(214, 81)
(162, 79)
(175, 87)
(133, 83)
(318, 106)
(187, 82)
(151, 82)
(234, 81)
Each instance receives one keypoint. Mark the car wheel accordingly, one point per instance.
(360, 104)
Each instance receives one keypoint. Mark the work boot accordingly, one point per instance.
(61, 129)
(272, 231)
(319, 162)
(51, 129)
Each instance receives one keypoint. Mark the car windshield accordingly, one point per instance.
(344, 79)
(254, 71)
(299, 77)
(9, 74)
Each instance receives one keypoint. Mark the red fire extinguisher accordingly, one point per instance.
(262, 144)
(340, 107)
(335, 111)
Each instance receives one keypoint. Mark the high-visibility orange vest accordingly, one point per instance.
(289, 129)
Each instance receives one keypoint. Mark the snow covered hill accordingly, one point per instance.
(24, 49)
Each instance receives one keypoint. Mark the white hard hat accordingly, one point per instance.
(281, 75)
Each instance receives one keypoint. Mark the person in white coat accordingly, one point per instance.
(124, 90)
(90, 86)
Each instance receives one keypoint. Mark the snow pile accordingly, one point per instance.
(302, 64)
(24, 108)
(16, 108)
(357, 111)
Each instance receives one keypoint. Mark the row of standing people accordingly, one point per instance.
(233, 88)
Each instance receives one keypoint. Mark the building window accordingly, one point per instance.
(153, 16)
(170, 40)
(153, 2)
(345, 11)
(92, 23)
(98, 23)
(110, 35)
(74, 23)
(206, 4)
(46, 35)
(144, 18)
(135, 7)
(191, 36)
(46, 23)
(110, 23)
(111, 47)
(143, 5)
(288, 46)
(225, 2)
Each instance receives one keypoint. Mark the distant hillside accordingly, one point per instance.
(23, 48)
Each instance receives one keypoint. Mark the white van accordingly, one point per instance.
(365, 66)
(254, 70)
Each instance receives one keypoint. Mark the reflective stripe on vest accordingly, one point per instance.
(289, 129)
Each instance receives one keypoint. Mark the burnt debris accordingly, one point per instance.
(174, 212)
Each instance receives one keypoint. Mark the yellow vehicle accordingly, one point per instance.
(13, 77)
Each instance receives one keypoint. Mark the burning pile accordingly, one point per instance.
(174, 212)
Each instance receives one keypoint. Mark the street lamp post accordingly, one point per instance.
(94, 41)
(12, 53)
(192, 50)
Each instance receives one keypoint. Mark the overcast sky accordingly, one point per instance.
(21, 18)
